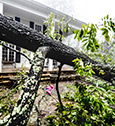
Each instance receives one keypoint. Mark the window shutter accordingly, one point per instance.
(44, 29)
(18, 56)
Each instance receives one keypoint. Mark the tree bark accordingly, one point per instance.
(23, 36)
(21, 111)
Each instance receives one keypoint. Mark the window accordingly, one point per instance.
(31, 24)
(17, 19)
(7, 54)
(11, 53)
(38, 28)
(4, 53)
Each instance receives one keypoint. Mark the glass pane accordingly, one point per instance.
(38, 28)
(18, 56)
(4, 54)
(11, 53)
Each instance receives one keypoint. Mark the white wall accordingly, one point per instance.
(24, 61)
(1, 12)
(26, 13)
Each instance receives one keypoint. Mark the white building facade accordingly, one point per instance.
(32, 14)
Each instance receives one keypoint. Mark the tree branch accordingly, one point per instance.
(15, 51)
(57, 87)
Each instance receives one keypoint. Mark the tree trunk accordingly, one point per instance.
(21, 111)
(23, 36)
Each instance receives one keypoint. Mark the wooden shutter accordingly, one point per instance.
(44, 29)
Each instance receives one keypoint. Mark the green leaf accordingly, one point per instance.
(75, 36)
(107, 16)
(104, 30)
(92, 71)
(83, 26)
(81, 33)
(88, 47)
(75, 60)
(85, 32)
(76, 33)
(107, 37)
(101, 72)
(84, 40)
(97, 46)
(104, 23)
(59, 24)
(85, 44)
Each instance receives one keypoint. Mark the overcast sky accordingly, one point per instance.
(84, 10)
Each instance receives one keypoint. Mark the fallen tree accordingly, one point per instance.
(19, 34)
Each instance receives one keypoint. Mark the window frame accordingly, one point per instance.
(38, 27)
(8, 53)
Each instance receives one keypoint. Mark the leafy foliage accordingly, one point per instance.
(108, 25)
(89, 105)
(106, 52)
(88, 36)
(7, 100)
(56, 34)
(8, 96)
(83, 69)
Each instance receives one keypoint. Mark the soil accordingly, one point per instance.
(47, 103)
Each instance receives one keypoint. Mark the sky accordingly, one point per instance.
(89, 11)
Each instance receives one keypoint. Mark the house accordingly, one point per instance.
(32, 14)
